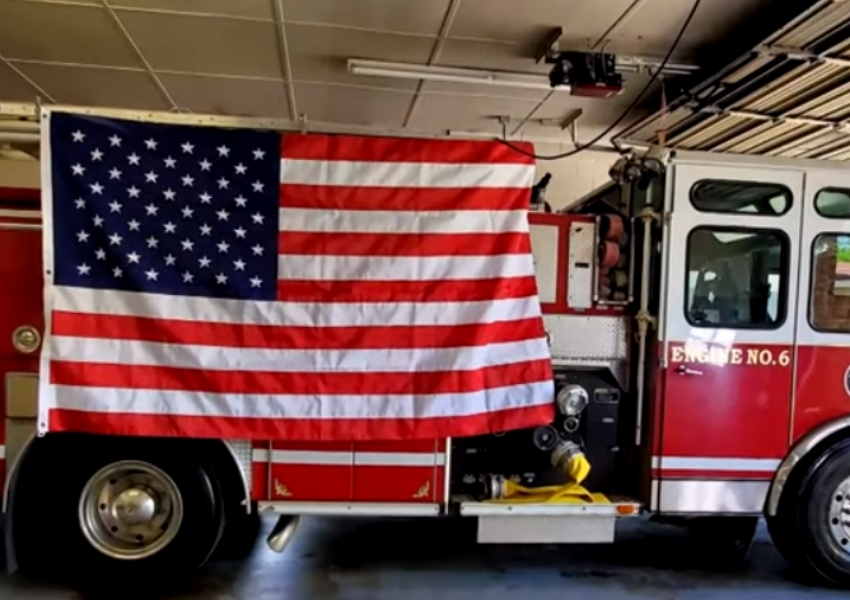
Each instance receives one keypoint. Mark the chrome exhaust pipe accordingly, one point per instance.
(283, 532)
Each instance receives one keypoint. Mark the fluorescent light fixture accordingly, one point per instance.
(378, 68)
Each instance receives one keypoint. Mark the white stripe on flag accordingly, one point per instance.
(403, 268)
(402, 174)
(412, 222)
(166, 402)
(217, 358)
(294, 314)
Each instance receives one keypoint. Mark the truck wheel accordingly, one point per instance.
(240, 533)
(137, 514)
(812, 525)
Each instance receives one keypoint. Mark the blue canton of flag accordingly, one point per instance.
(165, 209)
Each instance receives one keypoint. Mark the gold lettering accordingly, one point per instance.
(785, 358)
(719, 356)
(737, 356)
(766, 357)
(678, 354)
(752, 356)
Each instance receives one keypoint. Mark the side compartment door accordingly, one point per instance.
(823, 332)
(729, 324)
(21, 328)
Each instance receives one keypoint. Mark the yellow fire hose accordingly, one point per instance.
(575, 466)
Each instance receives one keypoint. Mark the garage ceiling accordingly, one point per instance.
(286, 59)
(788, 96)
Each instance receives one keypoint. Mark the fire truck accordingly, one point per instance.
(697, 309)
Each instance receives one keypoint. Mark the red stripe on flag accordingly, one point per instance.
(456, 290)
(402, 244)
(239, 335)
(290, 383)
(400, 198)
(297, 429)
(363, 148)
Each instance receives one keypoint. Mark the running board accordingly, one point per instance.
(502, 523)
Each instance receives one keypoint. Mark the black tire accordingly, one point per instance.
(64, 550)
(801, 529)
(240, 533)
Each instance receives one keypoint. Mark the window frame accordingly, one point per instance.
(785, 190)
(785, 271)
(812, 273)
(830, 188)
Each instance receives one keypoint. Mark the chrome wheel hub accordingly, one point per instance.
(130, 510)
(839, 515)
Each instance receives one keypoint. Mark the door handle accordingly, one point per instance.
(683, 370)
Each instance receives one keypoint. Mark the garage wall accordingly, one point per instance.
(19, 173)
(575, 176)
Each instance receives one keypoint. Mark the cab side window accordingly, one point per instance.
(737, 278)
(740, 197)
(829, 308)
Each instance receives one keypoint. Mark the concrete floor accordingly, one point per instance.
(438, 560)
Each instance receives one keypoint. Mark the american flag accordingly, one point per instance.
(244, 284)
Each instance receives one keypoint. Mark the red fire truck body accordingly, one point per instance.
(698, 314)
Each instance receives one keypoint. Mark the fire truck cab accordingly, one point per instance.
(698, 314)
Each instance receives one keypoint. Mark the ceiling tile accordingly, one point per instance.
(529, 21)
(205, 45)
(97, 87)
(439, 113)
(229, 96)
(14, 88)
(654, 27)
(255, 9)
(320, 54)
(489, 55)
(352, 106)
(61, 32)
(402, 16)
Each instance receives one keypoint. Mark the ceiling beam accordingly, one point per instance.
(436, 50)
(116, 20)
(285, 61)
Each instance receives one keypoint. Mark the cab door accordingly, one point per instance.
(823, 330)
(728, 329)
